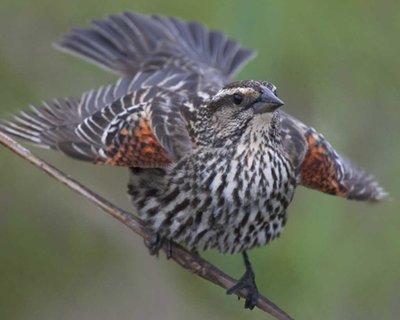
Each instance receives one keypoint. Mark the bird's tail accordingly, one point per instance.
(130, 42)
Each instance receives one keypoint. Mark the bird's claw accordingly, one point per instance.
(246, 282)
(156, 242)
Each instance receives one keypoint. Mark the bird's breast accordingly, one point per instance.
(253, 174)
(248, 190)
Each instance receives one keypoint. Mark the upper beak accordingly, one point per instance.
(268, 102)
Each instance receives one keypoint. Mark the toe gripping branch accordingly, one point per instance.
(155, 244)
(247, 281)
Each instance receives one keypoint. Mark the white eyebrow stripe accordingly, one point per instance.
(231, 91)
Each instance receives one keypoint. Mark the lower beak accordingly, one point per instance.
(269, 102)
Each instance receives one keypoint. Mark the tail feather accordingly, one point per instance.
(130, 42)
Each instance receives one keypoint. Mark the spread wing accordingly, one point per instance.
(143, 128)
(320, 167)
(166, 65)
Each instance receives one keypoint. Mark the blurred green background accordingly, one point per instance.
(336, 65)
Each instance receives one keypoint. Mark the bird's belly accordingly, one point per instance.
(252, 215)
(229, 205)
(241, 208)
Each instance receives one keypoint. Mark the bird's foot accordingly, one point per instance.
(156, 242)
(247, 281)
(195, 252)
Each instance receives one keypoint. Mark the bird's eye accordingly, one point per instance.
(237, 98)
(276, 93)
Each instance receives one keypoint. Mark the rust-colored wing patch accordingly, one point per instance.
(133, 132)
(135, 145)
(320, 168)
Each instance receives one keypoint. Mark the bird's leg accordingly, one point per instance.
(169, 249)
(156, 242)
(247, 281)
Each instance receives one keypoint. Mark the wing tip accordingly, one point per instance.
(369, 190)
(14, 129)
(380, 195)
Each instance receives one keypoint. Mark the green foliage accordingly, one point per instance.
(336, 65)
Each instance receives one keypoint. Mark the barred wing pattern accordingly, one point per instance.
(167, 66)
(319, 166)
(54, 122)
(43, 126)
(134, 133)
(137, 128)
(144, 128)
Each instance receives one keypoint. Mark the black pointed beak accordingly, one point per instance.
(268, 102)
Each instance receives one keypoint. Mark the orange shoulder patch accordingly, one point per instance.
(136, 146)
(319, 169)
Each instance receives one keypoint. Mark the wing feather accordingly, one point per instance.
(165, 64)
(320, 167)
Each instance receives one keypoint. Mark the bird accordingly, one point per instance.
(214, 163)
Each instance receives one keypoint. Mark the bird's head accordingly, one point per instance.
(235, 105)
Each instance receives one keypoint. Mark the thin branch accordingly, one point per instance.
(180, 255)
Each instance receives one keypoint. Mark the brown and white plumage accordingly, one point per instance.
(320, 167)
(213, 164)
(160, 59)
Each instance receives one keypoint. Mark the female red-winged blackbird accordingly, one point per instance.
(213, 165)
